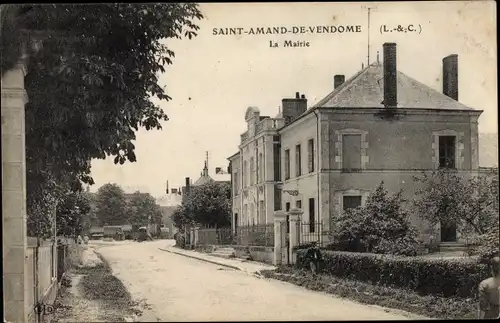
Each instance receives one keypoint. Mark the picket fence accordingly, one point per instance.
(45, 265)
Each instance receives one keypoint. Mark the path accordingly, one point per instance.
(184, 289)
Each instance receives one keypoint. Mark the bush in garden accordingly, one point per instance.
(441, 277)
(469, 202)
(489, 244)
(380, 226)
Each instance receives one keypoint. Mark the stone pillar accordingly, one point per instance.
(191, 238)
(279, 224)
(295, 215)
(14, 98)
(196, 235)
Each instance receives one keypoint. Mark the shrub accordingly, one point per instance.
(380, 226)
(429, 305)
(489, 244)
(446, 278)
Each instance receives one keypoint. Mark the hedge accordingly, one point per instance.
(441, 277)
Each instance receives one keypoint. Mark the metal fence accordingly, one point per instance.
(253, 235)
(312, 232)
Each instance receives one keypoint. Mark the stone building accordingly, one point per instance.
(378, 125)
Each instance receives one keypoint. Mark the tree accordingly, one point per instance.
(470, 202)
(71, 212)
(87, 98)
(143, 209)
(380, 226)
(180, 217)
(111, 205)
(208, 204)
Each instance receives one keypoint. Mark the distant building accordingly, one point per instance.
(378, 125)
(220, 176)
(168, 204)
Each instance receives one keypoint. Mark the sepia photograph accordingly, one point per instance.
(266, 161)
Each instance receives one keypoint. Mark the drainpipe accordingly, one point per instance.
(318, 169)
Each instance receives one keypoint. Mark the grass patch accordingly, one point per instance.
(100, 284)
(428, 305)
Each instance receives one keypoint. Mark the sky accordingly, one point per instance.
(215, 78)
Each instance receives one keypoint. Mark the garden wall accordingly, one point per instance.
(258, 253)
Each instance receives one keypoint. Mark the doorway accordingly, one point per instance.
(448, 232)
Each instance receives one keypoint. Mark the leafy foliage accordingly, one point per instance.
(441, 277)
(87, 98)
(208, 205)
(180, 217)
(111, 205)
(430, 306)
(380, 226)
(469, 201)
(489, 244)
(142, 209)
(71, 212)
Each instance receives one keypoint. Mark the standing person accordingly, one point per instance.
(489, 293)
(313, 255)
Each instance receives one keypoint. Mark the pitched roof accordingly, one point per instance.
(366, 90)
(204, 179)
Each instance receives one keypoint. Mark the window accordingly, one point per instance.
(298, 161)
(261, 167)
(351, 152)
(235, 184)
(312, 225)
(252, 171)
(277, 198)
(245, 174)
(298, 204)
(252, 215)
(351, 202)
(287, 164)
(262, 212)
(310, 155)
(277, 162)
(447, 151)
(287, 208)
(236, 222)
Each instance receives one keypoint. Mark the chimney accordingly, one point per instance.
(390, 76)
(217, 170)
(450, 76)
(188, 184)
(293, 108)
(338, 80)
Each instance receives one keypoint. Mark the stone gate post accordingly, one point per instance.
(196, 235)
(279, 222)
(14, 98)
(191, 237)
(295, 215)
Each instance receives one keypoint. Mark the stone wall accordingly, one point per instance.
(258, 253)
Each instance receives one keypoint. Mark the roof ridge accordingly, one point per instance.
(342, 86)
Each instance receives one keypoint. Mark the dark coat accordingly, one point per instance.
(313, 254)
